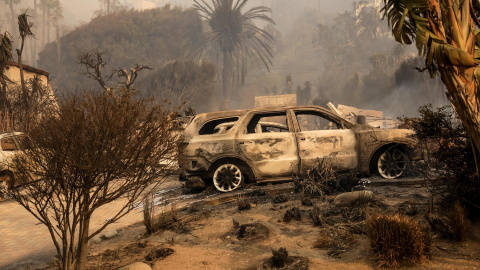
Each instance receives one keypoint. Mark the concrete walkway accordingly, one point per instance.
(23, 237)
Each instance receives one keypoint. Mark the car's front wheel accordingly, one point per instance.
(6, 182)
(227, 177)
(393, 163)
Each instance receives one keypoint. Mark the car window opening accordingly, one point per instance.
(266, 123)
(310, 121)
(218, 126)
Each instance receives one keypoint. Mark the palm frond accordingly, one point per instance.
(233, 32)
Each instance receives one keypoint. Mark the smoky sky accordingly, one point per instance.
(80, 11)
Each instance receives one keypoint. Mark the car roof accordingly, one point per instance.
(236, 113)
(10, 134)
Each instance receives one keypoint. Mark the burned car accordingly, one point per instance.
(9, 147)
(258, 145)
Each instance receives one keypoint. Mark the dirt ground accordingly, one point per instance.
(222, 237)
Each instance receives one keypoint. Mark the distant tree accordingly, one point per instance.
(152, 37)
(445, 33)
(108, 7)
(233, 34)
(181, 82)
(13, 21)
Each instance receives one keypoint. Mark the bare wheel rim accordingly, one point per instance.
(227, 177)
(392, 163)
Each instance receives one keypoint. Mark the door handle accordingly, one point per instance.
(302, 139)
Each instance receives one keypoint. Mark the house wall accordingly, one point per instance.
(13, 73)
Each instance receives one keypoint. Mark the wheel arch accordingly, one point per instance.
(405, 146)
(245, 166)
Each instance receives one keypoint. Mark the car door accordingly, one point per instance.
(272, 152)
(322, 137)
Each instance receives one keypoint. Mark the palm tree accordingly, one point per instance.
(233, 34)
(12, 13)
(445, 35)
(56, 16)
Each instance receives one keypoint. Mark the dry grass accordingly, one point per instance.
(458, 222)
(167, 220)
(451, 224)
(322, 179)
(149, 215)
(397, 239)
(334, 237)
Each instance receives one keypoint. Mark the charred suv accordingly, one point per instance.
(256, 145)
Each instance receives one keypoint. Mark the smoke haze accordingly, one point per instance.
(324, 46)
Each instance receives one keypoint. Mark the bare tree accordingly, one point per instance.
(91, 150)
(94, 64)
(130, 75)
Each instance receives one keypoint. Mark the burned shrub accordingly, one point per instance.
(458, 221)
(279, 198)
(316, 216)
(167, 220)
(251, 232)
(408, 208)
(158, 254)
(306, 201)
(236, 224)
(243, 204)
(258, 193)
(397, 239)
(279, 257)
(322, 180)
(333, 237)
(451, 225)
(149, 215)
(337, 239)
(293, 213)
(452, 164)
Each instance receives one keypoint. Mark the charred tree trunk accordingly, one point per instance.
(48, 25)
(461, 82)
(463, 95)
(57, 28)
(25, 98)
(227, 78)
(10, 4)
(44, 26)
(34, 62)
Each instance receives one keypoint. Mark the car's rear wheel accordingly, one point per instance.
(227, 177)
(393, 163)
